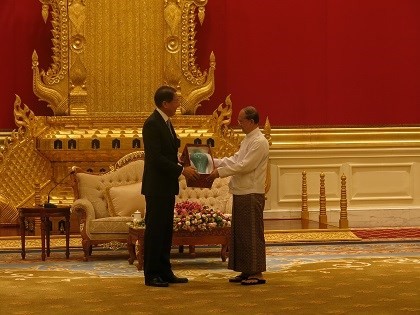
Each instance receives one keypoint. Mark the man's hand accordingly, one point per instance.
(213, 175)
(181, 159)
(190, 172)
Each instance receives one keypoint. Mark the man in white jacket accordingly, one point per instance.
(248, 168)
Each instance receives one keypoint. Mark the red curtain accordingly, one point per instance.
(300, 62)
(317, 62)
(22, 30)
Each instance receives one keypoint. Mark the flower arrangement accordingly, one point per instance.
(191, 216)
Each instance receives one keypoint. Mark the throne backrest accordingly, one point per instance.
(93, 186)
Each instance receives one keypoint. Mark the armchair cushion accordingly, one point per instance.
(217, 197)
(124, 200)
(109, 226)
(93, 186)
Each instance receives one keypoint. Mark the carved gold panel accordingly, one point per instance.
(110, 56)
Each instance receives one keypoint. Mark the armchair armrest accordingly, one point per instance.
(85, 212)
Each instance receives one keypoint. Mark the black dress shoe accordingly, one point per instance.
(176, 279)
(156, 282)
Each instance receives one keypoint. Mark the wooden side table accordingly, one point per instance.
(216, 236)
(44, 214)
(136, 237)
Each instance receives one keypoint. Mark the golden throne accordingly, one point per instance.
(108, 59)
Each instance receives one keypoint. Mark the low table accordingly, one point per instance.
(216, 236)
(44, 214)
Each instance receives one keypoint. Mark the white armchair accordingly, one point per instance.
(104, 202)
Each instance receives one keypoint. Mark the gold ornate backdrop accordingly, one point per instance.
(108, 59)
(110, 56)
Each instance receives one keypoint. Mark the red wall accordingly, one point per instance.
(300, 62)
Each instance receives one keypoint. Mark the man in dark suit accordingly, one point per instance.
(160, 186)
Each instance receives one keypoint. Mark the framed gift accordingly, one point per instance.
(200, 157)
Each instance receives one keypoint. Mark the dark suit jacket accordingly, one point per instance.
(161, 168)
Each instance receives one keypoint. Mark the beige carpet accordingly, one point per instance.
(379, 285)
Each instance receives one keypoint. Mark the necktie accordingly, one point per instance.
(168, 122)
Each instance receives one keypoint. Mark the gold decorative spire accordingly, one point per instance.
(322, 202)
(304, 207)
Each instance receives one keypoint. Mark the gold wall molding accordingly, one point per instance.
(381, 165)
(354, 137)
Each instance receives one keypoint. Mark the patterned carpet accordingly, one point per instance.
(34, 242)
(272, 237)
(364, 278)
(114, 263)
(409, 233)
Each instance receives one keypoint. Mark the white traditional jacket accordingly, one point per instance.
(248, 166)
